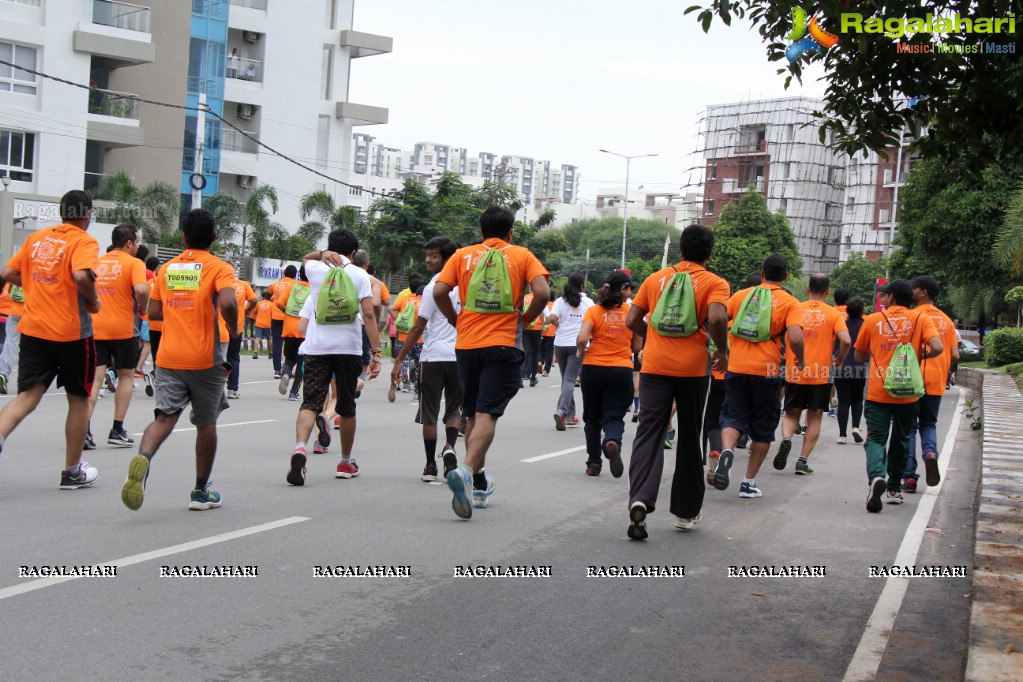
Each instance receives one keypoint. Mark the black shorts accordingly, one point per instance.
(435, 379)
(73, 363)
(490, 378)
(319, 370)
(122, 353)
(752, 404)
(807, 396)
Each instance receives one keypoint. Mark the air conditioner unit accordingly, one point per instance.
(250, 36)
(245, 181)
(246, 111)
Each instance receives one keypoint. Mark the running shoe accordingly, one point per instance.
(110, 380)
(637, 521)
(876, 489)
(204, 499)
(139, 374)
(120, 438)
(430, 473)
(347, 469)
(635, 417)
(909, 485)
(533, 381)
(233, 395)
(390, 392)
(150, 389)
(894, 497)
(90, 443)
(783, 454)
(669, 439)
(721, 479)
(614, 455)
(931, 467)
(282, 385)
(593, 468)
(750, 490)
(359, 385)
(712, 464)
(572, 422)
(337, 423)
(857, 435)
(255, 356)
(481, 498)
(802, 468)
(3, 384)
(319, 449)
(559, 421)
(294, 396)
(86, 476)
(296, 475)
(841, 440)
(134, 488)
(322, 431)
(460, 482)
(449, 458)
(688, 524)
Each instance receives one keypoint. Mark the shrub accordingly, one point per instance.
(1003, 346)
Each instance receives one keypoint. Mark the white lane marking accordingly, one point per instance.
(867, 658)
(549, 455)
(268, 381)
(220, 426)
(40, 583)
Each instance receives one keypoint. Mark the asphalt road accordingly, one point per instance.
(284, 623)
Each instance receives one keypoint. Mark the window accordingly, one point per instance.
(428, 158)
(327, 69)
(354, 191)
(710, 207)
(17, 155)
(13, 79)
(850, 204)
(712, 172)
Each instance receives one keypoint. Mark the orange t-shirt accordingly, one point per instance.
(264, 313)
(8, 306)
(762, 359)
(548, 328)
(385, 293)
(935, 369)
(881, 340)
(274, 288)
(154, 325)
(536, 324)
(484, 330)
(679, 356)
(842, 309)
(47, 262)
(610, 340)
(189, 287)
(242, 293)
(116, 276)
(821, 324)
(290, 330)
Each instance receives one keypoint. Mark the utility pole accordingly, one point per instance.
(200, 146)
(625, 216)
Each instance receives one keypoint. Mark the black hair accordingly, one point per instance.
(696, 243)
(496, 221)
(754, 279)
(290, 271)
(122, 234)
(775, 268)
(414, 282)
(143, 251)
(572, 293)
(301, 274)
(442, 245)
(267, 295)
(198, 229)
(854, 308)
(75, 205)
(153, 263)
(842, 297)
(371, 269)
(819, 284)
(902, 291)
(419, 289)
(342, 241)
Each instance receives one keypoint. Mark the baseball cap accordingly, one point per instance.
(618, 279)
(928, 284)
(900, 289)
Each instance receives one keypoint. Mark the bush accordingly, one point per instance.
(1003, 346)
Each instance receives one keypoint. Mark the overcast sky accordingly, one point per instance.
(560, 80)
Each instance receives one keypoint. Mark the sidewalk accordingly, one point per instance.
(996, 619)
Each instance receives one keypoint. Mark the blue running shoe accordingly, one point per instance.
(481, 498)
(204, 499)
(460, 482)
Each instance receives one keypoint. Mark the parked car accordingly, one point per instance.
(969, 351)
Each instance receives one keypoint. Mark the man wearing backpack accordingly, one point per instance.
(338, 293)
(760, 316)
(684, 299)
(935, 372)
(491, 278)
(893, 339)
(809, 389)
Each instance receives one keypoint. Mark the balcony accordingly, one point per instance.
(361, 114)
(115, 104)
(30, 3)
(121, 15)
(235, 141)
(244, 69)
(250, 4)
(365, 44)
(116, 35)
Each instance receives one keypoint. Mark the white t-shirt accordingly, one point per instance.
(332, 339)
(439, 335)
(569, 319)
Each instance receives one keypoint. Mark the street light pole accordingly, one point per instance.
(625, 212)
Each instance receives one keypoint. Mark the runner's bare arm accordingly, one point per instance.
(717, 327)
(369, 319)
(141, 296)
(844, 344)
(635, 321)
(229, 310)
(11, 275)
(585, 331)
(440, 297)
(155, 309)
(795, 334)
(861, 355)
(933, 348)
(541, 294)
(85, 281)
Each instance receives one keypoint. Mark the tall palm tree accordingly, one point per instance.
(1009, 245)
(152, 209)
(250, 221)
(329, 216)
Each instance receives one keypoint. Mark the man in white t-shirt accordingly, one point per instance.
(333, 351)
(567, 315)
(438, 368)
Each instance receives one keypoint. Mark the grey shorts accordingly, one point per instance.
(435, 379)
(203, 389)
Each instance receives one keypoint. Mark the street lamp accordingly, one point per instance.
(625, 213)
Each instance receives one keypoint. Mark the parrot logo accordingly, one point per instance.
(818, 38)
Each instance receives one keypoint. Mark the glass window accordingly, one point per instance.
(17, 155)
(13, 79)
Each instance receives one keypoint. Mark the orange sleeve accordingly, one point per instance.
(449, 273)
(85, 255)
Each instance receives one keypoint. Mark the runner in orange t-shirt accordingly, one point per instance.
(264, 322)
(55, 267)
(809, 389)
(547, 335)
(121, 285)
(753, 383)
(191, 370)
(881, 334)
(605, 345)
(488, 347)
(291, 366)
(247, 299)
(277, 319)
(674, 372)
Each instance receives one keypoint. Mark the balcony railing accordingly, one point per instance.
(244, 69)
(30, 3)
(234, 141)
(117, 104)
(251, 4)
(121, 15)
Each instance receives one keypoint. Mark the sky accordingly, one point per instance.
(561, 80)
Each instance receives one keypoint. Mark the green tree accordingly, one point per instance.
(403, 223)
(858, 275)
(152, 209)
(969, 102)
(250, 222)
(329, 216)
(748, 232)
(1009, 242)
(1015, 298)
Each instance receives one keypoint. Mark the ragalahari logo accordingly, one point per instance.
(818, 38)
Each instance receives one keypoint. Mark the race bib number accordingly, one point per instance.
(184, 276)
